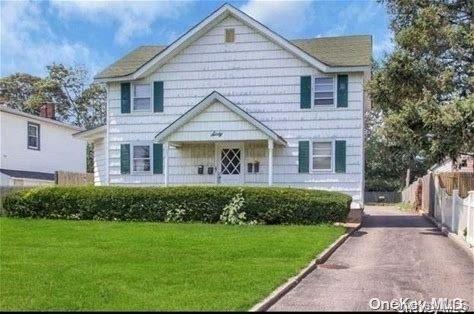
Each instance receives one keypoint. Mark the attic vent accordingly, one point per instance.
(229, 35)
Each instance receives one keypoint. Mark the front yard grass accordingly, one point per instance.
(92, 265)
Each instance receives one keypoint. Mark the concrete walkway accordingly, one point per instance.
(394, 255)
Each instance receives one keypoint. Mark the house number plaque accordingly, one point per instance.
(216, 134)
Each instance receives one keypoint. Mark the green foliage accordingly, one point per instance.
(16, 89)
(199, 203)
(424, 89)
(90, 157)
(76, 100)
(232, 213)
(175, 214)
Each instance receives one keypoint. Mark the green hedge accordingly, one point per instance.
(200, 203)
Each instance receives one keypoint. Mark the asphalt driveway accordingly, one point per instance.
(394, 255)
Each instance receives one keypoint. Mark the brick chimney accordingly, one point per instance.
(48, 111)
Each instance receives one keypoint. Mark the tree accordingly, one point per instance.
(385, 162)
(76, 101)
(16, 89)
(424, 89)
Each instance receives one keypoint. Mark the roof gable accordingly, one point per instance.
(29, 116)
(306, 50)
(216, 100)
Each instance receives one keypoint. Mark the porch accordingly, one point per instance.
(218, 142)
(229, 162)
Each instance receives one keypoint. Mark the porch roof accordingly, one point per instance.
(245, 128)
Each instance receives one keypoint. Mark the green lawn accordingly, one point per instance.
(90, 265)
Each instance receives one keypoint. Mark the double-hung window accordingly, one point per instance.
(322, 156)
(141, 97)
(33, 141)
(324, 91)
(141, 158)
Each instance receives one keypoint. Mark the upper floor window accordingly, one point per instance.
(141, 158)
(323, 91)
(322, 156)
(33, 141)
(229, 35)
(141, 97)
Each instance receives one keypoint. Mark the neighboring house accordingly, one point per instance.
(232, 102)
(33, 147)
(464, 163)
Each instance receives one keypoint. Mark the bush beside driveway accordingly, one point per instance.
(262, 205)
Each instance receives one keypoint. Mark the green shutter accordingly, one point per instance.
(341, 156)
(157, 158)
(125, 97)
(305, 92)
(125, 158)
(158, 96)
(342, 86)
(303, 156)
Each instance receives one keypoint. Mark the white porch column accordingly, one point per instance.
(270, 162)
(165, 161)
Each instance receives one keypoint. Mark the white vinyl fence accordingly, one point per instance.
(456, 213)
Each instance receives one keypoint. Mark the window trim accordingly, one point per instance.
(334, 90)
(150, 147)
(38, 136)
(132, 98)
(231, 32)
(333, 154)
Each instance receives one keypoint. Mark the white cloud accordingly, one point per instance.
(284, 17)
(28, 43)
(133, 18)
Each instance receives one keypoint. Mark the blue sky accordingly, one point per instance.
(96, 33)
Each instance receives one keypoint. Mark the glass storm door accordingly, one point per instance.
(229, 163)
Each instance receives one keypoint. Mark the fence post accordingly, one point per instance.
(470, 207)
(453, 206)
(441, 201)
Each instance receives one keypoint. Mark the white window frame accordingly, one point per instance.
(132, 97)
(37, 126)
(132, 159)
(333, 154)
(334, 91)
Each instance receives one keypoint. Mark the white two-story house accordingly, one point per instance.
(232, 102)
(33, 148)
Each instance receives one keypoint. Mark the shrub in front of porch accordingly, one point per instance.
(193, 203)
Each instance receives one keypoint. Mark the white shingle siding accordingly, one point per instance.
(58, 149)
(99, 162)
(264, 80)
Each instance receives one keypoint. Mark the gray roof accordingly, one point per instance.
(131, 62)
(339, 51)
(333, 51)
(4, 108)
(28, 174)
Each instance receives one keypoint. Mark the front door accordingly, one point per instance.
(229, 157)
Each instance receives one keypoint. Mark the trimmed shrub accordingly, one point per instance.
(181, 203)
